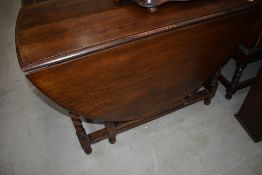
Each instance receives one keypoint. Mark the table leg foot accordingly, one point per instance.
(207, 101)
(228, 95)
(111, 131)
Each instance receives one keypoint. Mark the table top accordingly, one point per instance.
(56, 31)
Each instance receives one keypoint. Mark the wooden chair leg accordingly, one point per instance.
(111, 131)
(235, 80)
(81, 133)
(211, 86)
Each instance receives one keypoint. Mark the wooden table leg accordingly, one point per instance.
(111, 131)
(81, 133)
(211, 86)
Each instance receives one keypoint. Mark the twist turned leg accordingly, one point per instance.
(235, 81)
(211, 86)
(111, 131)
(81, 133)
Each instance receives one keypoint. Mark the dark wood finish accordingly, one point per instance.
(139, 50)
(111, 131)
(137, 79)
(251, 111)
(250, 50)
(116, 63)
(30, 2)
(196, 96)
(85, 30)
(253, 40)
(211, 86)
(148, 76)
(81, 133)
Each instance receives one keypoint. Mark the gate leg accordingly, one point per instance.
(111, 131)
(81, 133)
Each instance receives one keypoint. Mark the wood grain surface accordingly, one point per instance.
(61, 30)
(117, 62)
(140, 79)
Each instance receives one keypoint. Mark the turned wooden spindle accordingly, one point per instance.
(111, 131)
(211, 86)
(81, 133)
(235, 80)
